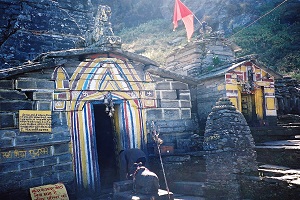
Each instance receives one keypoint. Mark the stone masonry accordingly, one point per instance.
(288, 96)
(173, 114)
(208, 92)
(230, 151)
(31, 159)
(201, 56)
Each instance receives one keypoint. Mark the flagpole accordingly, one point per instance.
(197, 19)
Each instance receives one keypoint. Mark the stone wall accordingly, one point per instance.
(35, 158)
(173, 113)
(208, 92)
(199, 57)
(287, 91)
(188, 167)
(39, 90)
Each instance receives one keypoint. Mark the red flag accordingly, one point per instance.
(182, 12)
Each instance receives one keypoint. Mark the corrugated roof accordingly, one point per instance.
(220, 71)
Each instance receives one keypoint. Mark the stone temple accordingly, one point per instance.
(65, 116)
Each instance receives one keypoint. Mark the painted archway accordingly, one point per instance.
(90, 82)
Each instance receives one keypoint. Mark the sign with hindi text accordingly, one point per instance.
(48, 192)
(35, 121)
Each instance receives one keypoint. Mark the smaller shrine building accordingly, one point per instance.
(248, 84)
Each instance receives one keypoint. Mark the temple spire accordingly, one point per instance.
(102, 34)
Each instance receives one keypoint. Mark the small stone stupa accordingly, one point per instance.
(230, 151)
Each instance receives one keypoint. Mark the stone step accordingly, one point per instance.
(275, 170)
(283, 152)
(185, 197)
(199, 176)
(293, 124)
(122, 186)
(282, 144)
(129, 195)
(189, 188)
(288, 120)
(271, 133)
(280, 174)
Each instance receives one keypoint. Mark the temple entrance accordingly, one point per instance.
(106, 144)
(253, 107)
(248, 108)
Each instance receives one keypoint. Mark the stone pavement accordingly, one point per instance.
(123, 191)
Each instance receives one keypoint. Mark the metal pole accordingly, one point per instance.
(158, 142)
(163, 169)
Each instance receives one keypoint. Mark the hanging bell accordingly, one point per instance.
(105, 100)
(112, 109)
(110, 114)
(107, 109)
(111, 103)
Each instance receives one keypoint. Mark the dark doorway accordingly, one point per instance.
(248, 108)
(105, 147)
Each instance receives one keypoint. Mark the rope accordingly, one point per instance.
(259, 18)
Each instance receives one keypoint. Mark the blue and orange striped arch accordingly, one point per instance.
(92, 79)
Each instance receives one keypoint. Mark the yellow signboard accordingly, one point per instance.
(48, 192)
(35, 121)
